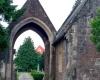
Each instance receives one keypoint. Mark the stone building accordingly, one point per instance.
(76, 56)
(70, 54)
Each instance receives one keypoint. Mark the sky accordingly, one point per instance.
(57, 11)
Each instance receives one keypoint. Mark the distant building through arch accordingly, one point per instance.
(40, 49)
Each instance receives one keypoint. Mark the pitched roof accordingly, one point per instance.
(33, 8)
(68, 22)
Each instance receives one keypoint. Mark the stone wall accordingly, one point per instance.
(83, 61)
(60, 60)
(87, 55)
(87, 59)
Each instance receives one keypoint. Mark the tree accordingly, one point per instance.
(26, 58)
(7, 10)
(3, 38)
(95, 30)
(41, 62)
(8, 13)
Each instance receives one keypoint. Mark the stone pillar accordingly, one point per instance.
(9, 66)
(50, 60)
(52, 63)
(8, 71)
(66, 57)
(13, 67)
(46, 61)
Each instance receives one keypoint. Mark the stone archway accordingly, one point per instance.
(43, 30)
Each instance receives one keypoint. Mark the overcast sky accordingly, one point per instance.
(57, 11)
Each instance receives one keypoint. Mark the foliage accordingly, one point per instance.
(37, 75)
(3, 38)
(17, 14)
(8, 13)
(95, 32)
(7, 9)
(27, 58)
(41, 62)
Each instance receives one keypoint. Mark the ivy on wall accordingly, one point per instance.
(95, 30)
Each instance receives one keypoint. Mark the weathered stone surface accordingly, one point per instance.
(71, 55)
(83, 63)
(34, 18)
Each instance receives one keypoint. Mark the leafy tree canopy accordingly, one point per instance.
(7, 9)
(8, 13)
(95, 32)
(3, 38)
(41, 62)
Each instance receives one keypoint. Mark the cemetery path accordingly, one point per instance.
(25, 76)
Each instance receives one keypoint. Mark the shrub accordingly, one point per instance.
(37, 75)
